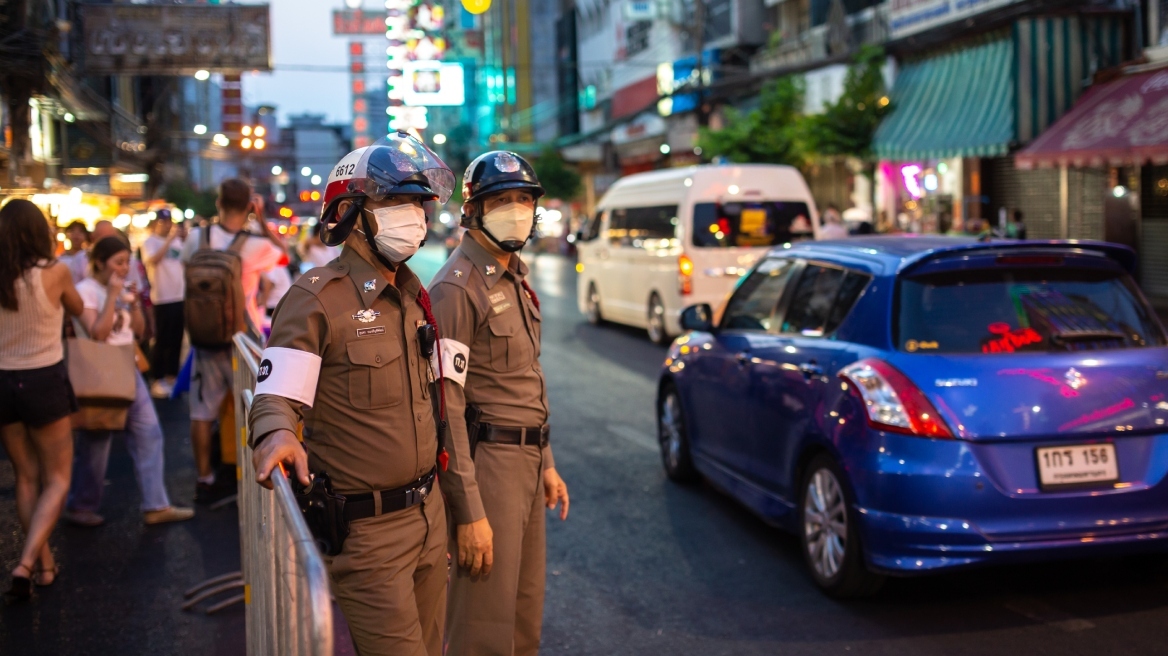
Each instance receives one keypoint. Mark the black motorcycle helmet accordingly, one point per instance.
(399, 164)
(492, 172)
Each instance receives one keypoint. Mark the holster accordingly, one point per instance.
(473, 416)
(324, 512)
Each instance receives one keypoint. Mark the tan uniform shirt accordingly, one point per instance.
(486, 317)
(371, 423)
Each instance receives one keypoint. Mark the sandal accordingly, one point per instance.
(21, 589)
(39, 574)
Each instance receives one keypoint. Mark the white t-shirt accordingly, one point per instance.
(259, 256)
(281, 281)
(93, 295)
(832, 231)
(320, 254)
(78, 264)
(166, 277)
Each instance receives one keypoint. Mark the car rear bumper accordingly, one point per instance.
(931, 504)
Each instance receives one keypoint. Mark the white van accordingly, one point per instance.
(664, 240)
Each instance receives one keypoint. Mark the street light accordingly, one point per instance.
(306, 171)
(202, 75)
(221, 140)
(439, 139)
(200, 129)
(245, 143)
(259, 144)
(260, 131)
(277, 169)
(315, 179)
(664, 149)
(245, 130)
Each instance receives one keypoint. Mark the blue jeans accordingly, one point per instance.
(144, 440)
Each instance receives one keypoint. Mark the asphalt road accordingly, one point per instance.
(642, 566)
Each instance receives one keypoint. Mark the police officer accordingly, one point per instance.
(501, 469)
(348, 355)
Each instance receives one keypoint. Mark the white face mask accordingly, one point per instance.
(400, 230)
(510, 224)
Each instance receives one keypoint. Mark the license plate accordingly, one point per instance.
(1076, 465)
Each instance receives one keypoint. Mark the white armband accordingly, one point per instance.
(455, 360)
(289, 373)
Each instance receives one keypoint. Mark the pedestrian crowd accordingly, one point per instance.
(391, 389)
(91, 335)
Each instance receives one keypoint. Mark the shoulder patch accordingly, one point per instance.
(316, 279)
(456, 272)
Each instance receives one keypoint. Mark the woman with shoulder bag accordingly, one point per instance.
(36, 398)
(113, 314)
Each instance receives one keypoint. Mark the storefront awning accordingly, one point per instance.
(959, 104)
(1118, 123)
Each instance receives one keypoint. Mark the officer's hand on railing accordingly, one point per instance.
(555, 489)
(476, 548)
(280, 447)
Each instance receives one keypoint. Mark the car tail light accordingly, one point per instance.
(685, 270)
(893, 402)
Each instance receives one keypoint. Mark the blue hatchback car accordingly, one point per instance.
(911, 404)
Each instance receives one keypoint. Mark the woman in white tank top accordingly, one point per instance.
(36, 398)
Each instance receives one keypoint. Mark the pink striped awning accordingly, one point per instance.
(1122, 122)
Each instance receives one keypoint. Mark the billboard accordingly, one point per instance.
(357, 22)
(907, 17)
(432, 83)
(175, 39)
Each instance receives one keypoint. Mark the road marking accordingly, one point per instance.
(1040, 611)
(634, 436)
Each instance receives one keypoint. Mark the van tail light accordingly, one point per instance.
(685, 270)
(893, 402)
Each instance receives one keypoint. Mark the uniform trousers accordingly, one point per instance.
(390, 581)
(501, 614)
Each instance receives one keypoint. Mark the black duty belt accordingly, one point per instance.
(360, 506)
(517, 436)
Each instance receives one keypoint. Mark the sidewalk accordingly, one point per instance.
(121, 585)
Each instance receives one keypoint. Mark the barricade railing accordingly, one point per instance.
(286, 585)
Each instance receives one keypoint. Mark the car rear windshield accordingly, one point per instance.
(750, 223)
(1023, 310)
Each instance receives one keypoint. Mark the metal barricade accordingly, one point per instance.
(286, 585)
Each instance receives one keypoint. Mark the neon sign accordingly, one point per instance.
(909, 173)
(1009, 340)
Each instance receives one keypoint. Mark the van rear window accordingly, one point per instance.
(1008, 310)
(750, 223)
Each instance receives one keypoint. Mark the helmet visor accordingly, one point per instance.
(393, 160)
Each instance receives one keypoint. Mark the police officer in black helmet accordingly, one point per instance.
(501, 471)
(349, 355)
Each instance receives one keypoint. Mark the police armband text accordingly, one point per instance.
(289, 373)
(455, 360)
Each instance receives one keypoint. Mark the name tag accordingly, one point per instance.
(497, 297)
(376, 330)
(502, 307)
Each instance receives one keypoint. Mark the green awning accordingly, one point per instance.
(959, 104)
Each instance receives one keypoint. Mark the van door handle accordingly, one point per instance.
(743, 358)
(811, 369)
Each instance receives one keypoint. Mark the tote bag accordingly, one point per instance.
(104, 379)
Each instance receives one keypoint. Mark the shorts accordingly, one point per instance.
(36, 397)
(211, 382)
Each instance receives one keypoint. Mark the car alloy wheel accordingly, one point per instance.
(593, 306)
(672, 438)
(825, 522)
(656, 328)
(831, 532)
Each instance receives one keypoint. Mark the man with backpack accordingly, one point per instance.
(224, 264)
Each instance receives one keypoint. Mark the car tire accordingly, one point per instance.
(829, 532)
(592, 306)
(672, 437)
(656, 321)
